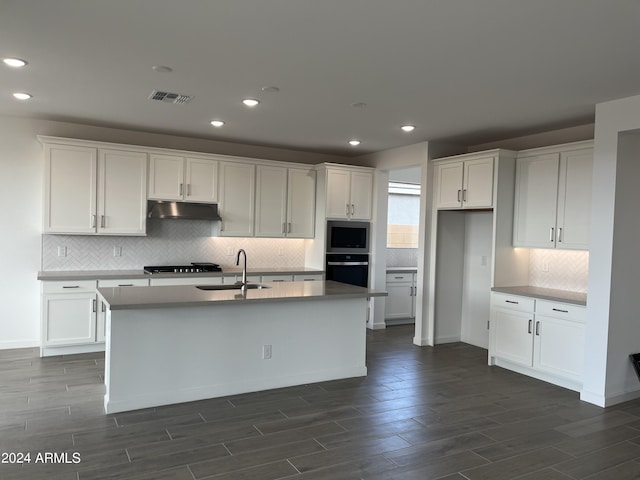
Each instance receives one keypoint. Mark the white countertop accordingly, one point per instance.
(123, 298)
(124, 274)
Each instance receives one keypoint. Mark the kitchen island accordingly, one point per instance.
(171, 344)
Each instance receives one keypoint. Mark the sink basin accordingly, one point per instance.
(250, 286)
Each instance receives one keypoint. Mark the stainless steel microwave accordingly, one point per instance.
(347, 237)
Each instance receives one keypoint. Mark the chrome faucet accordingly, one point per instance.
(244, 267)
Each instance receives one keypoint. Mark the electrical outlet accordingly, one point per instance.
(545, 266)
(230, 251)
(62, 251)
(483, 261)
(266, 352)
(117, 251)
(280, 253)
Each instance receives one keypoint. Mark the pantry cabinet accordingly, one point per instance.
(553, 197)
(349, 193)
(237, 199)
(178, 178)
(400, 304)
(544, 337)
(463, 184)
(90, 190)
(285, 202)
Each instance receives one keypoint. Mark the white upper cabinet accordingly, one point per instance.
(349, 193)
(237, 199)
(301, 202)
(94, 191)
(285, 202)
(553, 198)
(70, 189)
(464, 183)
(178, 178)
(122, 193)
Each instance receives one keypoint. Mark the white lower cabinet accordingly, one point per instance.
(400, 304)
(186, 281)
(308, 277)
(541, 338)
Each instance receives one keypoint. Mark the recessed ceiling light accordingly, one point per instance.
(408, 128)
(217, 123)
(270, 89)
(14, 62)
(22, 96)
(354, 143)
(250, 102)
(162, 69)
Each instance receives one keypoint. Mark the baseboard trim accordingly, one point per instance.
(19, 344)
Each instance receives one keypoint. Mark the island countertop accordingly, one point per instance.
(123, 298)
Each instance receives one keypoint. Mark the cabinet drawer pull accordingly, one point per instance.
(398, 278)
(529, 327)
(538, 328)
(551, 234)
(71, 286)
(512, 301)
(125, 284)
(560, 310)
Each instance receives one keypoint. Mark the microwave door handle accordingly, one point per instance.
(347, 264)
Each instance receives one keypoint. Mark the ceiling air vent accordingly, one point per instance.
(168, 97)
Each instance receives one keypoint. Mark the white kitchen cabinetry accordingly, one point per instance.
(553, 197)
(285, 202)
(101, 318)
(308, 277)
(237, 199)
(400, 302)
(90, 190)
(541, 338)
(464, 183)
(185, 281)
(349, 193)
(178, 178)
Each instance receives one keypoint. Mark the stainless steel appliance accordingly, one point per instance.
(347, 237)
(349, 268)
(195, 267)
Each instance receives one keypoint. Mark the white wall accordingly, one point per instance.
(613, 324)
(21, 177)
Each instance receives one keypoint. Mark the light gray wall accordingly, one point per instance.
(613, 328)
(555, 137)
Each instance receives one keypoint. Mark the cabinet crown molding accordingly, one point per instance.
(496, 152)
(562, 147)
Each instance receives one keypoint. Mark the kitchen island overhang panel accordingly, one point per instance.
(159, 356)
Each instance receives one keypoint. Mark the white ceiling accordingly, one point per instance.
(466, 71)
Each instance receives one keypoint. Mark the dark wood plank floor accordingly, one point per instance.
(421, 413)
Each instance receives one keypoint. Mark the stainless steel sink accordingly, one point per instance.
(250, 286)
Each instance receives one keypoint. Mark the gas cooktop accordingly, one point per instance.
(195, 267)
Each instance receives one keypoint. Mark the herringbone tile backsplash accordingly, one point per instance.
(566, 269)
(167, 242)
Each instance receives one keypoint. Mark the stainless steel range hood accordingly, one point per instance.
(182, 210)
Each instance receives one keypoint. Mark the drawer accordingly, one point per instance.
(569, 311)
(307, 278)
(399, 277)
(71, 286)
(186, 281)
(512, 302)
(238, 278)
(277, 278)
(125, 282)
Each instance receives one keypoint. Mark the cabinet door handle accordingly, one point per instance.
(289, 227)
(188, 189)
(353, 209)
(512, 301)
(560, 310)
(559, 238)
(538, 328)
(94, 218)
(347, 209)
(529, 327)
(102, 221)
(551, 234)
(411, 291)
(464, 195)
(94, 305)
(284, 227)
(459, 192)
(181, 189)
